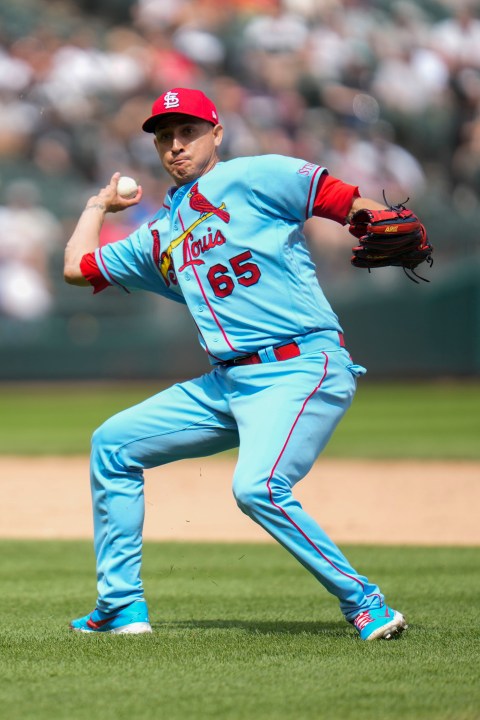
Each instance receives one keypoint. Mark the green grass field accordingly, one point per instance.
(241, 632)
(429, 421)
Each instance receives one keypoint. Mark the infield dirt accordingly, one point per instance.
(355, 501)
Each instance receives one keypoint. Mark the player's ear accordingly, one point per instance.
(157, 146)
(217, 134)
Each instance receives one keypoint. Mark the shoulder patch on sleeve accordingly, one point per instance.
(307, 169)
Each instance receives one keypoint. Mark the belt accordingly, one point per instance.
(278, 352)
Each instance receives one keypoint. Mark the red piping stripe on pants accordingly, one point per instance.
(284, 513)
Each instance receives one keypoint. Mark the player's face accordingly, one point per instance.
(187, 147)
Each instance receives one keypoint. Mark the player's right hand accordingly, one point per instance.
(109, 200)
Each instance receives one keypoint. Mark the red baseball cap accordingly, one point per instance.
(183, 101)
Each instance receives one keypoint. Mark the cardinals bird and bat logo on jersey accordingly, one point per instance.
(199, 202)
(192, 248)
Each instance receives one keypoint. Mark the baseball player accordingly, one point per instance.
(227, 241)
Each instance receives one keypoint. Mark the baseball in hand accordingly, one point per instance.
(127, 187)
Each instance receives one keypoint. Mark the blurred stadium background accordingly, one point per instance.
(385, 93)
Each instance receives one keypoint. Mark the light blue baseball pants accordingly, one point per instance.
(280, 415)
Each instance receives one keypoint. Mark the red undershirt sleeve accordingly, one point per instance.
(334, 199)
(92, 273)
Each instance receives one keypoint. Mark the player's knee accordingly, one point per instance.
(100, 443)
(249, 495)
(106, 446)
(261, 494)
(102, 437)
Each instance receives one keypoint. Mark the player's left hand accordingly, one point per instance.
(394, 236)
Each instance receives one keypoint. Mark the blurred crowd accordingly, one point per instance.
(385, 94)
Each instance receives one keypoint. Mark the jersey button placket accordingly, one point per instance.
(177, 199)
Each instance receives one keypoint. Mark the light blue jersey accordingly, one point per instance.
(231, 246)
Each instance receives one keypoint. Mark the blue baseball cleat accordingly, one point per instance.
(131, 619)
(381, 623)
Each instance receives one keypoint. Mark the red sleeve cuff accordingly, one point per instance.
(92, 273)
(334, 199)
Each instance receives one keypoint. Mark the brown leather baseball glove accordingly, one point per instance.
(394, 236)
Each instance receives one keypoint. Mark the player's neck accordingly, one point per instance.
(209, 166)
